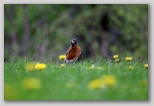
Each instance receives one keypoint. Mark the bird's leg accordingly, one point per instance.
(73, 62)
(65, 61)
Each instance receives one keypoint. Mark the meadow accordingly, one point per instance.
(89, 79)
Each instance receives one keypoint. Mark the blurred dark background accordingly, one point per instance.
(43, 31)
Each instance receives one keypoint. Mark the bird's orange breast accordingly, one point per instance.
(73, 53)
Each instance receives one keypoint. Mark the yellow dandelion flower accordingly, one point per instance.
(30, 66)
(99, 68)
(131, 67)
(109, 80)
(31, 83)
(96, 84)
(62, 57)
(40, 66)
(116, 56)
(62, 65)
(9, 92)
(92, 66)
(117, 60)
(128, 59)
(104, 82)
(146, 66)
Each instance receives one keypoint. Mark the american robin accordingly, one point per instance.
(73, 52)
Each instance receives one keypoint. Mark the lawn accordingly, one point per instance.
(85, 80)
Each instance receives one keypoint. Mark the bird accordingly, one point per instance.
(74, 52)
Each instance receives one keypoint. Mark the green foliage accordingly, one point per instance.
(132, 84)
(43, 31)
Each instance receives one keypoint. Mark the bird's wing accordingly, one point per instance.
(68, 51)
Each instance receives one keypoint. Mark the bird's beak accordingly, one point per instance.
(72, 41)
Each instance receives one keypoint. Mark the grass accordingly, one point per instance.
(70, 82)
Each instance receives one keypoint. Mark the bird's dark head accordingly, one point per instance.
(73, 42)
